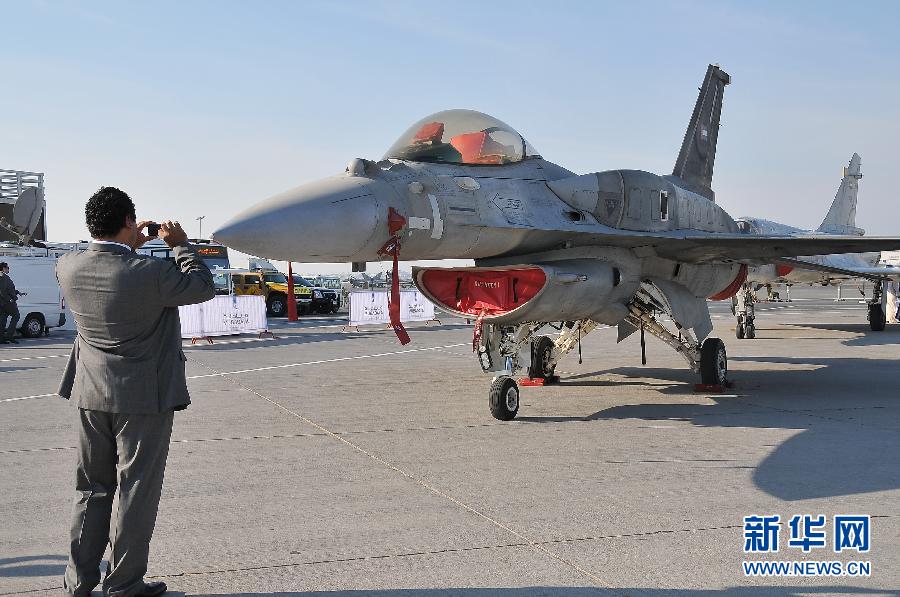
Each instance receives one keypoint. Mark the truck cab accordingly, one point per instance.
(271, 284)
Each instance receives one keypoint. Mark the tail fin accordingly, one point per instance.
(841, 218)
(698, 150)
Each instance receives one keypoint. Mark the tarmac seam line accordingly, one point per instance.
(319, 362)
(440, 551)
(530, 542)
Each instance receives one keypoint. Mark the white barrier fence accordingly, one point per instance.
(370, 307)
(224, 316)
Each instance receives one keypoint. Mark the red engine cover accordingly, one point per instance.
(491, 291)
(783, 270)
(732, 288)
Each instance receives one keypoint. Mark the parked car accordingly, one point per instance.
(324, 300)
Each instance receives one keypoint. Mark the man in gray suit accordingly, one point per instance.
(126, 376)
(8, 308)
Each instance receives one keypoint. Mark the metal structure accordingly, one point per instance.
(552, 249)
(13, 183)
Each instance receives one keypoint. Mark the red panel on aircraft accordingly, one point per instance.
(491, 291)
(783, 270)
(732, 288)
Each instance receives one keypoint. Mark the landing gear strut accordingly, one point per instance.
(742, 305)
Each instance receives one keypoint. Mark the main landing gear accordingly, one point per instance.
(742, 306)
(877, 317)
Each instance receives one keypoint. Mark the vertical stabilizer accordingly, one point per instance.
(698, 150)
(841, 218)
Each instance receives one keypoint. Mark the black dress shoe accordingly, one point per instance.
(152, 589)
(12, 341)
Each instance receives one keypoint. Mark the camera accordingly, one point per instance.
(153, 230)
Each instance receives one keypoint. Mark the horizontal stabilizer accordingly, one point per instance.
(869, 273)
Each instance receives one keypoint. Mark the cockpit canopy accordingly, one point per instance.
(461, 137)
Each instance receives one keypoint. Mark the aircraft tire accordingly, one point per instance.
(504, 398)
(750, 331)
(876, 318)
(541, 350)
(739, 330)
(713, 362)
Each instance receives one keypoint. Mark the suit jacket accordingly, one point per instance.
(8, 292)
(127, 356)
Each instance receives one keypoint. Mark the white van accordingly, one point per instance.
(43, 307)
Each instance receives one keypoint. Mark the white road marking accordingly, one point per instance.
(28, 397)
(49, 356)
(187, 348)
(288, 366)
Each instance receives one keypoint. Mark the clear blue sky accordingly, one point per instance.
(200, 108)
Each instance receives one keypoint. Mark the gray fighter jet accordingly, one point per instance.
(618, 247)
(817, 269)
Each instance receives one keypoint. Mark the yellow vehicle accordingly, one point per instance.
(273, 286)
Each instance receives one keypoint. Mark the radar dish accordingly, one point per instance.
(28, 209)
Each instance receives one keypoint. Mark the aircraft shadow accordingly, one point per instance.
(47, 565)
(890, 334)
(840, 431)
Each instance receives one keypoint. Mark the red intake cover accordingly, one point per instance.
(481, 290)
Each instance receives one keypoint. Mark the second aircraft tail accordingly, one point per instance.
(841, 218)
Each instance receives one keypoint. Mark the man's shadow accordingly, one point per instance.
(33, 566)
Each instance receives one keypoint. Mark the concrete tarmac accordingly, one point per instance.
(344, 464)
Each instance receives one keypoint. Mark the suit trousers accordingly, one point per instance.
(12, 311)
(116, 451)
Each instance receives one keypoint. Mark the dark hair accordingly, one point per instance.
(106, 211)
(3, 264)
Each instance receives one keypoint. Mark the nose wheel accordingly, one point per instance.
(504, 398)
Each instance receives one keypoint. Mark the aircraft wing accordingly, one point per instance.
(705, 247)
(869, 273)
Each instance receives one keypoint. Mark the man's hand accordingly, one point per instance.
(141, 237)
(172, 234)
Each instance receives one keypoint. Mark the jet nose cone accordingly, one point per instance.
(331, 220)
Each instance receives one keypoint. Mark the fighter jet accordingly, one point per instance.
(626, 248)
(816, 269)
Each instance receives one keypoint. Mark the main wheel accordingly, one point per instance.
(541, 353)
(277, 306)
(713, 362)
(33, 326)
(876, 318)
(750, 331)
(504, 398)
(739, 330)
